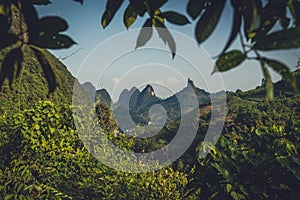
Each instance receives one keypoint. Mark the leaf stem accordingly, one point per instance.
(268, 85)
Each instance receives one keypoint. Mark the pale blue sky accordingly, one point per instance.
(85, 29)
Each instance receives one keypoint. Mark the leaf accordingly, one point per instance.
(234, 195)
(166, 36)
(138, 6)
(174, 18)
(237, 21)
(112, 7)
(195, 7)
(53, 24)
(272, 11)
(251, 16)
(47, 69)
(11, 66)
(20, 187)
(209, 20)
(296, 5)
(41, 2)
(228, 187)
(154, 5)
(229, 61)
(278, 66)
(53, 41)
(130, 16)
(7, 40)
(4, 8)
(5, 23)
(283, 70)
(285, 39)
(80, 1)
(10, 196)
(284, 22)
(145, 34)
(31, 17)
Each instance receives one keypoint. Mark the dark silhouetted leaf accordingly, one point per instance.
(80, 1)
(41, 2)
(47, 69)
(195, 7)
(52, 25)
(50, 41)
(283, 70)
(296, 5)
(229, 60)
(284, 22)
(251, 16)
(7, 40)
(272, 11)
(4, 8)
(209, 20)
(112, 7)
(11, 66)
(145, 34)
(31, 18)
(285, 39)
(279, 67)
(174, 18)
(138, 6)
(166, 36)
(236, 25)
(4, 22)
(130, 16)
(155, 4)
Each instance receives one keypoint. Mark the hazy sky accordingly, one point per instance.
(108, 59)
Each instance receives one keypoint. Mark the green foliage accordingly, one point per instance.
(41, 77)
(257, 157)
(229, 60)
(42, 157)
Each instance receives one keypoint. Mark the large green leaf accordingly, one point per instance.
(174, 18)
(285, 39)
(166, 36)
(129, 17)
(251, 16)
(278, 66)
(145, 34)
(209, 20)
(195, 7)
(283, 70)
(229, 61)
(112, 7)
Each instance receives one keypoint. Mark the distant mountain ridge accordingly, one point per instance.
(133, 105)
